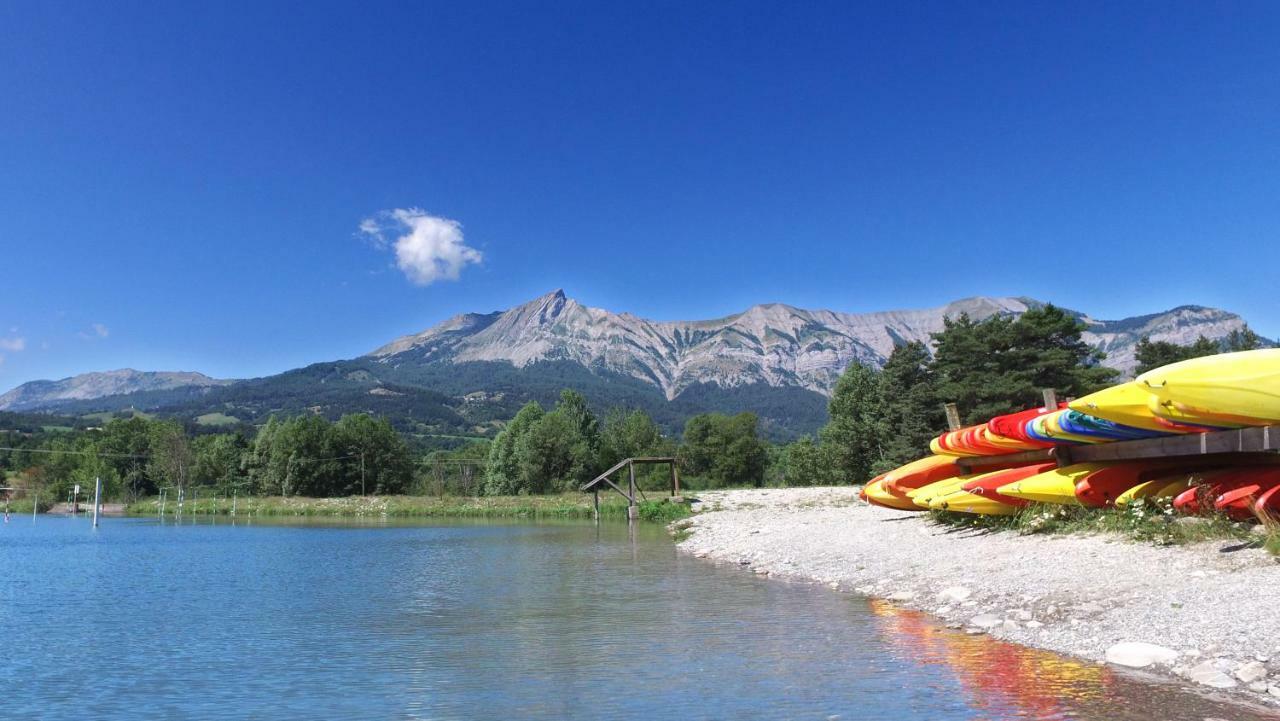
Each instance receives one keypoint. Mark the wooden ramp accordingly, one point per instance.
(632, 490)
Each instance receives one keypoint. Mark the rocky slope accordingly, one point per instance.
(86, 386)
(773, 344)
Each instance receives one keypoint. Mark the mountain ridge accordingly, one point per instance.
(48, 394)
(772, 343)
(468, 373)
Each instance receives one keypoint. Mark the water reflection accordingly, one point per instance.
(1002, 680)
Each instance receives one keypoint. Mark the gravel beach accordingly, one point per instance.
(1205, 613)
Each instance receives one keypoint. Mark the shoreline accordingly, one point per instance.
(565, 505)
(1207, 608)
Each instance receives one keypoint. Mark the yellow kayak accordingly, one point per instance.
(879, 496)
(1159, 488)
(1244, 384)
(1179, 413)
(966, 502)
(1055, 486)
(1126, 403)
(923, 495)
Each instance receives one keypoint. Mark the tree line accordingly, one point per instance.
(877, 420)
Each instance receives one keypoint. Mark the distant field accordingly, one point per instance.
(103, 417)
(217, 419)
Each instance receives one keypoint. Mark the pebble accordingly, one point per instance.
(902, 596)
(955, 594)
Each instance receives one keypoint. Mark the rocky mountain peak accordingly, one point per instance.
(772, 343)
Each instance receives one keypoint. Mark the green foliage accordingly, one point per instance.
(1241, 339)
(1154, 354)
(503, 477)
(912, 407)
(724, 450)
(539, 452)
(803, 463)
(999, 365)
(854, 434)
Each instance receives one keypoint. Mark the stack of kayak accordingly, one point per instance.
(1232, 390)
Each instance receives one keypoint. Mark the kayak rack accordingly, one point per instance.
(633, 508)
(1260, 439)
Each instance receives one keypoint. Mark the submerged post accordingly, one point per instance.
(595, 501)
(97, 498)
(233, 502)
(35, 503)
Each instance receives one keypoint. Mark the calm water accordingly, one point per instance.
(485, 621)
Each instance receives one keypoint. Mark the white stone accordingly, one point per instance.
(1208, 674)
(955, 594)
(1251, 672)
(1034, 624)
(1136, 654)
(902, 596)
(986, 621)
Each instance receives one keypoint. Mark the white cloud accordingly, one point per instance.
(428, 248)
(13, 345)
(96, 330)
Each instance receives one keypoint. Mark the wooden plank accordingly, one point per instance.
(605, 475)
(953, 416)
(1050, 398)
(1264, 439)
(979, 462)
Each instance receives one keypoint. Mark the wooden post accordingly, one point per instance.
(1050, 399)
(632, 511)
(595, 501)
(953, 416)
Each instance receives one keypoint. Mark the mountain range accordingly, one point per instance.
(467, 374)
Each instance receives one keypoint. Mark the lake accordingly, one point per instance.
(292, 620)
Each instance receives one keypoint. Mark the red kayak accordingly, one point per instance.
(1190, 500)
(1268, 504)
(989, 483)
(1102, 487)
(1238, 503)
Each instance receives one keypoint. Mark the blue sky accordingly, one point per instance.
(183, 186)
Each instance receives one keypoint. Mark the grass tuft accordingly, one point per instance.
(567, 505)
(1150, 521)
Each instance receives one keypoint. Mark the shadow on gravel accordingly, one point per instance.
(1240, 547)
